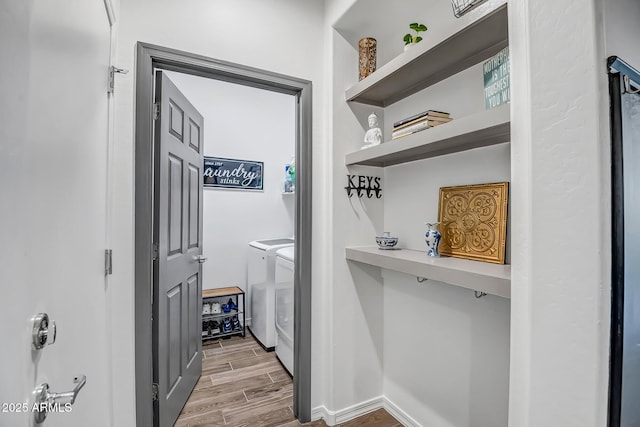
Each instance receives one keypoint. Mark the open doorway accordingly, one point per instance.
(150, 59)
(248, 218)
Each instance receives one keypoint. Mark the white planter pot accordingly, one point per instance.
(409, 46)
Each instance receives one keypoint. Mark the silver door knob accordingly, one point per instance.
(200, 259)
(44, 331)
(46, 401)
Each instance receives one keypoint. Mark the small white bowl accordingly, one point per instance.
(386, 241)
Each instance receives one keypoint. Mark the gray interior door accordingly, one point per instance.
(178, 234)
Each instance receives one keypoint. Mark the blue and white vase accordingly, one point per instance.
(432, 239)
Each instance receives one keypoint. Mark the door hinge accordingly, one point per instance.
(154, 391)
(154, 251)
(112, 77)
(156, 111)
(108, 262)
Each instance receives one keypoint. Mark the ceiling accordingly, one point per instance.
(390, 26)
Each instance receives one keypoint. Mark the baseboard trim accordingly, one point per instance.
(399, 414)
(343, 415)
(359, 409)
(319, 413)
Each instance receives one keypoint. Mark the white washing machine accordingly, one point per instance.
(285, 265)
(261, 288)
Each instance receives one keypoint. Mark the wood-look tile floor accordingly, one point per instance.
(244, 386)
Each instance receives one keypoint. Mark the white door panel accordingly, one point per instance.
(53, 189)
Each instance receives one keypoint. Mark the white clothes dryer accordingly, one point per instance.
(261, 288)
(285, 267)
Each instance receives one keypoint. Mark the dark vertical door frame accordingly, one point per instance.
(622, 77)
(149, 58)
(617, 251)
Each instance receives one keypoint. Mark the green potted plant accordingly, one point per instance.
(411, 39)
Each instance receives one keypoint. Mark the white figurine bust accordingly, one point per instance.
(374, 134)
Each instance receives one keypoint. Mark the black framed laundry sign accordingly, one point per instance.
(231, 173)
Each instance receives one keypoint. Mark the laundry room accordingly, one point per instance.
(248, 207)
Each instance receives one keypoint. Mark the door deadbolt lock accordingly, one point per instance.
(44, 331)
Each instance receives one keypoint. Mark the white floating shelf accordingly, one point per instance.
(494, 279)
(489, 127)
(443, 53)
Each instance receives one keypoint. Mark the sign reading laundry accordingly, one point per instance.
(230, 173)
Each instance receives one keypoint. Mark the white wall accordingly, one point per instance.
(284, 36)
(245, 123)
(560, 194)
(356, 318)
(621, 19)
(446, 353)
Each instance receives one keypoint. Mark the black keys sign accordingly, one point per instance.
(364, 185)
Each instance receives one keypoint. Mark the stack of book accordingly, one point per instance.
(422, 121)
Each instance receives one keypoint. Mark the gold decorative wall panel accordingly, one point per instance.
(473, 221)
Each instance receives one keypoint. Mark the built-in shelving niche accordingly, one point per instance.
(447, 51)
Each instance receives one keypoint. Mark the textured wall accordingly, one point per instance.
(560, 246)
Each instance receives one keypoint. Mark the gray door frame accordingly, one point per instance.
(149, 58)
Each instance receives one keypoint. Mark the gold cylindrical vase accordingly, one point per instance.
(367, 50)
